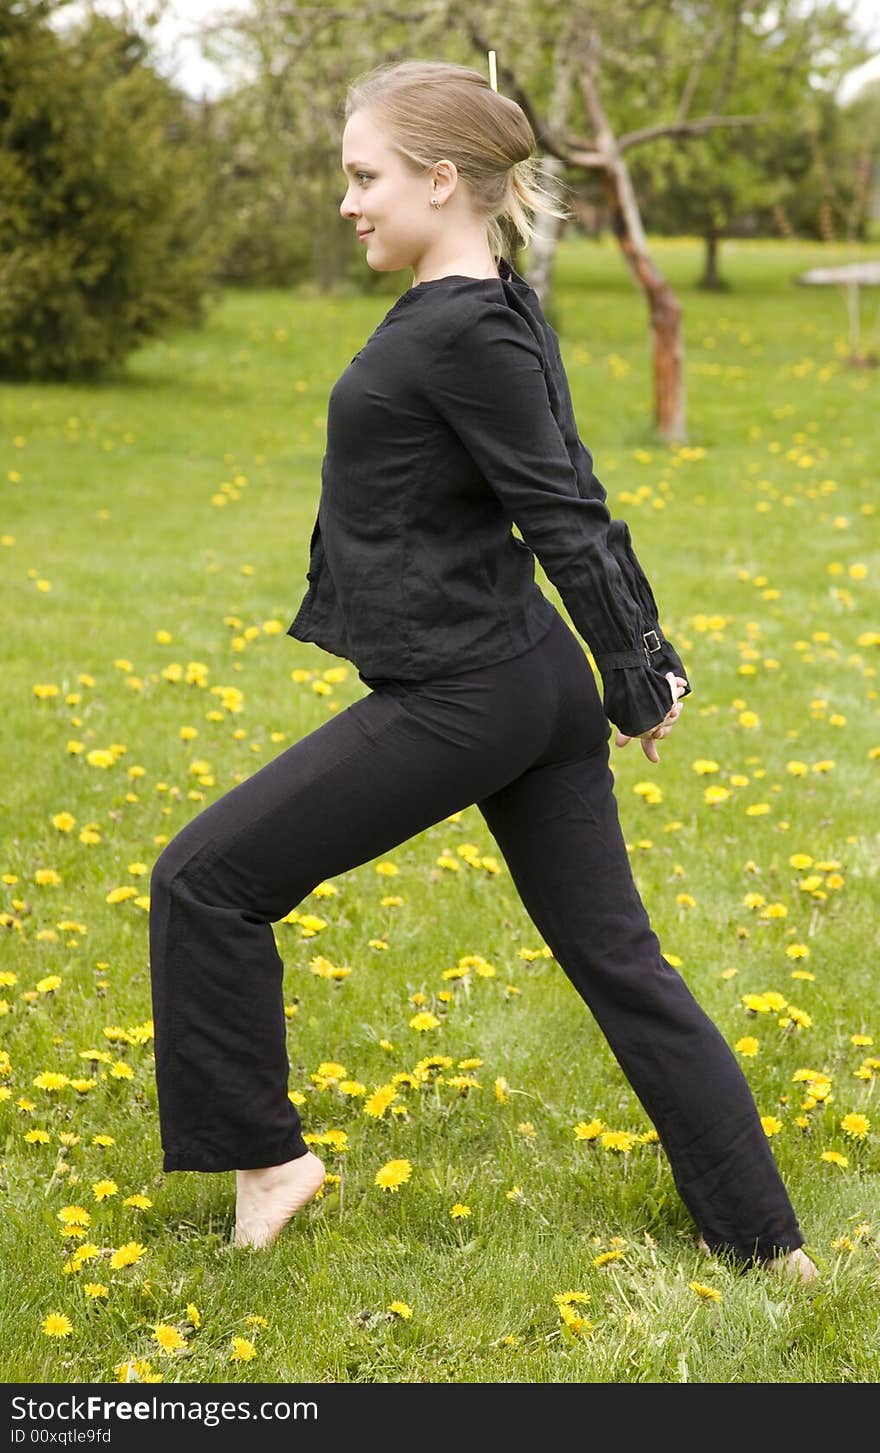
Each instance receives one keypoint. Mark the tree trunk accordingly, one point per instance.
(542, 252)
(710, 279)
(664, 308)
(547, 229)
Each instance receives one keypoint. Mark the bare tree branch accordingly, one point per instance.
(696, 127)
(692, 81)
(729, 73)
(508, 82)
(597, 160)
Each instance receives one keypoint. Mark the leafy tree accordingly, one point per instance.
(834, 200)
(278, 131)
(604, 84)
(780, 67)
(105, 231)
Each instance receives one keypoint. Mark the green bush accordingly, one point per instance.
(105, 229)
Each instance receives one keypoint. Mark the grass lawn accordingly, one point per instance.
(154, 548)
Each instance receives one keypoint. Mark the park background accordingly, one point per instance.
(177, 296)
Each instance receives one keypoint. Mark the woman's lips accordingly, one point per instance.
(363, 235)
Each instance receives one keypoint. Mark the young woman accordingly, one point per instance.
(452, 424)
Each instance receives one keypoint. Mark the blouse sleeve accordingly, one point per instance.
(663, 658)
(488, 383)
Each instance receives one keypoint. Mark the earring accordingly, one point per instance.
(434, 202)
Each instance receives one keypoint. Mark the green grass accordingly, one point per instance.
(749, 535)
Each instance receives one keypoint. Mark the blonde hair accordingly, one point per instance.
(436, 109)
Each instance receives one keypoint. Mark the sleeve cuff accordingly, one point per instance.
(635, 700)
(636, 692)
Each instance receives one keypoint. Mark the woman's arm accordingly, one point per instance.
(488, 383)
(664, 658)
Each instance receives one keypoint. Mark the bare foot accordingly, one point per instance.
(793, 1263)
(267, 1198)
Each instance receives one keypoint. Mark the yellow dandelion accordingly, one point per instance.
(119, 895)
(458, 1211)
(242, 1350)
(168, 1338)
(620, 1140)
(50, 1080)
(756, 1003)
(713, 795)
(834, 1157)
(99, 758)
(797, 951)
(707, 1294)
(605, 1257)
(377, 1103)
(424, 1020)
(74, 1216)
(589, 1129)
(748, 1045)
(101, 1190)
(96, 1289)
(575, 1323)
(127, 1254)
(137, 1369)
(800, 1017)
(393, 1174)
(401, 1309)
(771, 1124)
(330, 1070)
(57, 1325)
(88, 1251)
(775, 910)
(856, 1126)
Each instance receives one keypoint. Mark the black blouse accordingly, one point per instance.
(453, 423)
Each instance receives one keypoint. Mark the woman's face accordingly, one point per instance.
(388, 202)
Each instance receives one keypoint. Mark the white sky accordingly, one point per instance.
(178, 54)
(181, 61)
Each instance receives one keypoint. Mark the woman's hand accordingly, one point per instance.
(677, 685)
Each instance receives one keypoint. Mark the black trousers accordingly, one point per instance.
(527, 740)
